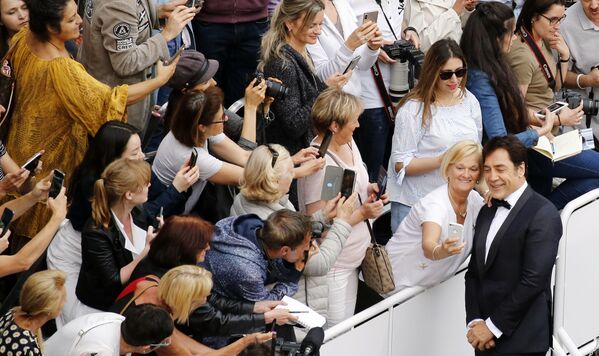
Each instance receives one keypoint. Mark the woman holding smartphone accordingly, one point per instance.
(436, 236)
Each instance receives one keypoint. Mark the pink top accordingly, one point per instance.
(309, 189)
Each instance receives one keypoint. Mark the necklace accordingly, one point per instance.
(455, 206)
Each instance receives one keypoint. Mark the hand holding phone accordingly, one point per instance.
(554, 108)
(352, 64)
(193, 158)
(372, 16)
(456, 231)
(32, 163)
(324, 145)
(168, 62)
(158, 220)
(348, 182)
(57, 182)
(381, 182)
(6, 219)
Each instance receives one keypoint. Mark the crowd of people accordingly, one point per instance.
(196, 140)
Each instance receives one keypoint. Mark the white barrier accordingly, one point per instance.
(432, 322)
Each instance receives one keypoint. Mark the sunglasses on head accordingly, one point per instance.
(447, 74)
(275, 155)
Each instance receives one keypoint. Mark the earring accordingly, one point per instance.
(478, 181)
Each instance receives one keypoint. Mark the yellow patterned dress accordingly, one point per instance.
(58, 105)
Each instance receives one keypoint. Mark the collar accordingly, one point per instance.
(513, 198)
(585, 22)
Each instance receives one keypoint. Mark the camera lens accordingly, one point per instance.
(590, 107)
(276, 90)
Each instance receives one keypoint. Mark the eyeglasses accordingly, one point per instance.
(275, 155)
(554, 20)
(447, 74)
(166, 342)
(222, 120)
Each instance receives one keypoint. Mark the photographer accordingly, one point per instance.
(579, 29)
(118, 46)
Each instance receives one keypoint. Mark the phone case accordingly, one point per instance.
(331, 185)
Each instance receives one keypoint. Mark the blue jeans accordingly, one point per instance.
(581, 173)
(236, 47)
(399, 212)
(373, 138)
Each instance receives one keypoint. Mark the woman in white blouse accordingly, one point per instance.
(422, 251)
(436, 114)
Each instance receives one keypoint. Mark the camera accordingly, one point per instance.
(273, 89)
(310, 346)
(590, 107)
(405, 70)
(317, 229)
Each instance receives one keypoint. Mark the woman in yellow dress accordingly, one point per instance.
(58, 103)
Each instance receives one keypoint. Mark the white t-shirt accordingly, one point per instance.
(447, 126)
(172, 154)
(410, 267)
(98, 334)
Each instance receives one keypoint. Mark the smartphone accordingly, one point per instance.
(172, 59)
(352, 64)
(193, 158)
(57, 181)
(555, 107)
(6, 219)
(331, 186)
(347, 184)
(31, 164)
(156, 222)
(372, 16)
(456, 231)
(324, 146)
(381, 182)
(194, 3)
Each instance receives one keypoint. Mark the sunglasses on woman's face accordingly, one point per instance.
(447, 74)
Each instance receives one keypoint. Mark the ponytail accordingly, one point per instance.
(100, 205)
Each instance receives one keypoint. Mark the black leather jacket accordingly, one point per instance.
(103, 254)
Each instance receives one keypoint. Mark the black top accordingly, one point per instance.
(15, 339)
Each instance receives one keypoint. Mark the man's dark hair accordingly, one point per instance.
(510, 143)
(146, 324)
(285, 228)
(44, 14)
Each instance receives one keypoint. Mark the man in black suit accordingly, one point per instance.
(508, 296)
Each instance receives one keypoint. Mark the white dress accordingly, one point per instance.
(410, 267)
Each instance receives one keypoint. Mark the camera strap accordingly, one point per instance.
(527, 38)
(380, 85)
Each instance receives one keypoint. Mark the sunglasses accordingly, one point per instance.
(275, 155)
(447, 74)
(166, 342)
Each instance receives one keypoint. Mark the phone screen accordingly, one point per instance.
(324, 146)
(381, 182)
(57, 181)
(31, 164)
(347, 184)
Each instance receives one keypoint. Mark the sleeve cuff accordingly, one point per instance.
(493, 328)
(399, 176)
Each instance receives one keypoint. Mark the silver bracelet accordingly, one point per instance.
(578, 81)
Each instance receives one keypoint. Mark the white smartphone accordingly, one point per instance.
(331, 186)
(555, 107)
(456, 231)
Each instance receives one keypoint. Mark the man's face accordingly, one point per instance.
(502, 176)
(591, 9)
(297, 254)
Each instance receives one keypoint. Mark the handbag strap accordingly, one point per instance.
(137, 296)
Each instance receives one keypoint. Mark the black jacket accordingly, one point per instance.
(103, 254)
(292, 126)
(219, 316)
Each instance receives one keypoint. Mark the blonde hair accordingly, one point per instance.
(334, 105)
(459, 151)
(260, 178)
(276, 37)
(121, 176)
(182, 287)
(42, 293)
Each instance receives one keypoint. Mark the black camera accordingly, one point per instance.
(403, 51)
(590, 107)
(273, 89)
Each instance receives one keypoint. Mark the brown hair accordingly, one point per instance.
(334, 105)
(120, 177)
(186, 117)
(285, 228)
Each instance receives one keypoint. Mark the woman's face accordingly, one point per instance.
(463, 174)
(451, 85)
(309, 33)
(343, 135)
(509, 37)
(217, 125)
(547, 25)
(70, 23)
(202, 254)
(133, 149)
(141, 196)
(13, 15)
(287, 177)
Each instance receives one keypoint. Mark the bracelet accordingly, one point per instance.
(578, 81)
(435, 250)
(559, 120)
(564, 60)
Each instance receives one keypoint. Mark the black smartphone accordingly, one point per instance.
(6, 219)
(193, 158)
(57, 181)
(172, 59)
(352, 64)
(31, 164)
(195, 3)
(326, 141)
(381, 182)
(347, 183)
(156, 222)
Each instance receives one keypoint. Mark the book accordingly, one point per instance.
(563, 146)
(306, 316)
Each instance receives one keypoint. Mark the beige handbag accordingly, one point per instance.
(376, 268)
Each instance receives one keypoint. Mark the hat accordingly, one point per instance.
(192, 68)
